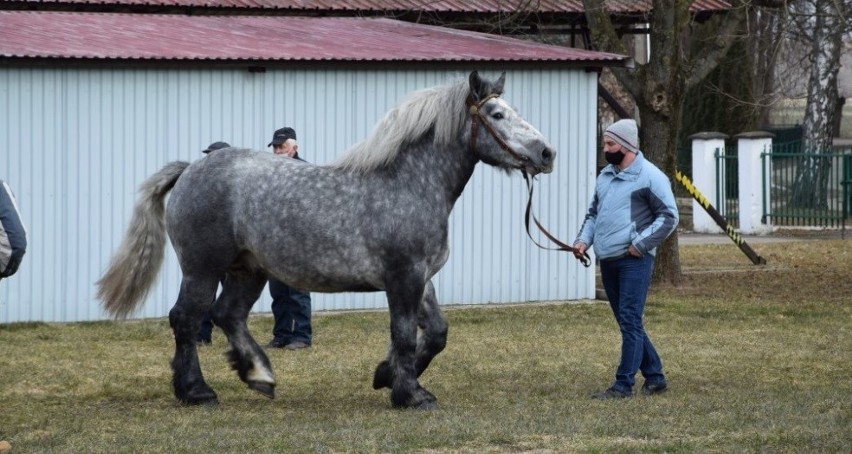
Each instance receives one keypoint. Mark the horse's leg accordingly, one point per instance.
(195, 298)
(430, 341)
(239, 293)
(433, 338)
(405, 291)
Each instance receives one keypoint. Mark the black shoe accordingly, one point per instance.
(202, 342)
(654, 388)
(610, 394)
(297, 345)
(276, 343)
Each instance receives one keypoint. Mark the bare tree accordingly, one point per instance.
(767, 27)
(821, 24)
(771, 67)
(660, 85)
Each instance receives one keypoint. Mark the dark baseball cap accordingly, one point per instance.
(280, 136)
(216, 146)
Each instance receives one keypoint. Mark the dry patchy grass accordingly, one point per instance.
(757, 357)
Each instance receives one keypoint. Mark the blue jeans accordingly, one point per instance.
(291, 308)
(626, 280)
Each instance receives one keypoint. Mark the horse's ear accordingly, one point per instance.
(498, 86)
(477, 86)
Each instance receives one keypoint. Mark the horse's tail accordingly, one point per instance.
(134, 266)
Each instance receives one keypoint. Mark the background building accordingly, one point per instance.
(93, 103)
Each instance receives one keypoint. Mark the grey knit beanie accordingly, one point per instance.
(625, 133)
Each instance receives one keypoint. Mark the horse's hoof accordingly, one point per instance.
(201, 398)
(198, 402)
(419, 400)
(383, 377)
(266, 389)
(425, 405)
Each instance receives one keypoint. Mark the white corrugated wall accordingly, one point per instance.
(76, 143)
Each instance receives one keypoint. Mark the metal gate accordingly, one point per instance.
(727, 187)
(807, 189)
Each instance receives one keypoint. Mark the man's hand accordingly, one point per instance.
(632, 251)
(580, 250)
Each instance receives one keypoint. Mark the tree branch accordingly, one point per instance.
(605, 39)
(718, 47)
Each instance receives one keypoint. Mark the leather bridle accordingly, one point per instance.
(476, 115)
(475, 109)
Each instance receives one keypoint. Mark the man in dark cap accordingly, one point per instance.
(291, 307)
(205, 332)
(284, 143)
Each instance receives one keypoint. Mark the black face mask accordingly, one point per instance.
(614, 158)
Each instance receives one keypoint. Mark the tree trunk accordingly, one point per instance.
(838, 116)
(810, 188)
(660, 107)
(658, 135)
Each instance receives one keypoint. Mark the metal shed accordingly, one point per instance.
(91, 104)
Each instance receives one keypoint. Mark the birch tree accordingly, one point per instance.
(821, 24)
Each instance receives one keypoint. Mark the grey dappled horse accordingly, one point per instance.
(375, 220)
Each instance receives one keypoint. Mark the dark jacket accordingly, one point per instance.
(13, 235)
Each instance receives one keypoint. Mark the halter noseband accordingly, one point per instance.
(475, 109)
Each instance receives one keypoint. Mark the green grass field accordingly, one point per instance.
(758, 359)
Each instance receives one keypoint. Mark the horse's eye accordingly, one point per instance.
(497, 115)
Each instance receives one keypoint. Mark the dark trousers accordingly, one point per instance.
(291, 308)
(626, 280)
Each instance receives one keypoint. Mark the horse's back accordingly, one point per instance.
(266, 207)
(319, 227)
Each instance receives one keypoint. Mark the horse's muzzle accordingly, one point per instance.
(542, 162)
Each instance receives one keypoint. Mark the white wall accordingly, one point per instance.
(76, 142)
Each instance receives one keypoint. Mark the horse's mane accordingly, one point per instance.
(441, 108)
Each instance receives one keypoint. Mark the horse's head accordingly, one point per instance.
(499, 135)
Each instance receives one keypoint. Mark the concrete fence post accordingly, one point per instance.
(704, 146)
(754, 188)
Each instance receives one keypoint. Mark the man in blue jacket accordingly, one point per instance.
(632, 212)
(13, 235)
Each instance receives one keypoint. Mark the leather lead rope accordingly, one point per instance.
(585, 259)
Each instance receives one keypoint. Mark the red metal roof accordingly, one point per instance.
(25, 34)
(644, 6)
(459, 6)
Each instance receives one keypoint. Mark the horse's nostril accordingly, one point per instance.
(546, 155)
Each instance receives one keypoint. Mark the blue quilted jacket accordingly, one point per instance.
(632, 206)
